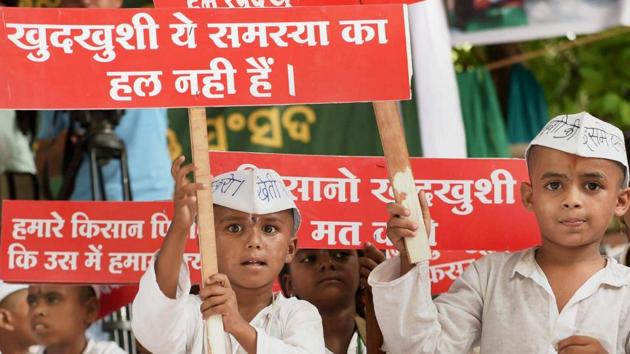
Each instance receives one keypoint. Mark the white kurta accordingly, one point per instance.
(94, 347)
(503, 303)
(175, 326)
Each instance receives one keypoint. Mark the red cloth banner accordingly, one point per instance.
(475, 205)
(133, 58)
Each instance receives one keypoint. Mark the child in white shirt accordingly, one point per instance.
(255, 223)
(561, 297)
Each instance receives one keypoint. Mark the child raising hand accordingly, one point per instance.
(255, 224)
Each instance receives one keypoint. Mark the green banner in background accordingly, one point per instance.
(331, 129)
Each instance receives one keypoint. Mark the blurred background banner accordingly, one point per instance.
(480, 22)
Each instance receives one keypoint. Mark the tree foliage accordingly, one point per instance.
(593, 77)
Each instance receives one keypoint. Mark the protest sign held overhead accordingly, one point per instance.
(224, 58)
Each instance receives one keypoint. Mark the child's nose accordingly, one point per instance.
(38, 310)
(572, 198)
(254, 239)
(325, 261)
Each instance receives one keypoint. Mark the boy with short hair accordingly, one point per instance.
(256, 222)
(60, 315)
(334, 280)
(559, 297)
(329, 279)
(16, 336)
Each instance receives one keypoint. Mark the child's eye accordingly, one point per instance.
(552, 186)
(234, 228)
(308, 259)
(31, 300)
(592, 186)
(340, 255)
(52, 299)
(270, 229)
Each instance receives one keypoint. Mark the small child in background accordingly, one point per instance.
(255, 222)
(333, 281)
(16, 336)
(60, 315)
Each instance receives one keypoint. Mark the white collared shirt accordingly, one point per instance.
(502, 303)
(175, 326)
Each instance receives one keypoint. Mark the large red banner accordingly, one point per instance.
(475, 203)
(341, 200)
(131, 58)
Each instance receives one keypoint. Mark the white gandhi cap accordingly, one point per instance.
(583, 135)
(8, 289)
(254, 191)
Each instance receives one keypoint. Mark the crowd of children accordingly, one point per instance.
(562, 296)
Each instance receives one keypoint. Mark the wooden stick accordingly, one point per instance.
(213, 334)
(400, 175)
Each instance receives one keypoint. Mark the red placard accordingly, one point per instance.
(475, 203)
(132, 58)
(79, 242)
(113, 242)
(213, 4)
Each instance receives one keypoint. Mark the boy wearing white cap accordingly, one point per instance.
(60, 315)
(560, 297)
(256, 222)
(16, 336)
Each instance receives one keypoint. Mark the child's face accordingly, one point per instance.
(325, 278)
(253, 248)
(573, 198)
(17, 305)
(58, 313)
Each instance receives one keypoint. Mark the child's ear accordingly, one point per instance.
(92, 308)
(292, 249)
(526, 195)
(623, 202)
(6, 320)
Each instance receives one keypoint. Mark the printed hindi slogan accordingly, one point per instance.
(107, 242)
(475, 203)
(115, 242)
(342, 201)
(223, 58)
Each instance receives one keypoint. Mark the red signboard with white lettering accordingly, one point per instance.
(132, 58)
(474, 204)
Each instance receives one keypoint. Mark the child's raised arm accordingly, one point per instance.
(169, 260)
(410, 321)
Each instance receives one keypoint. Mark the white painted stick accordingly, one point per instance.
(400, 175)
(213, 334)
